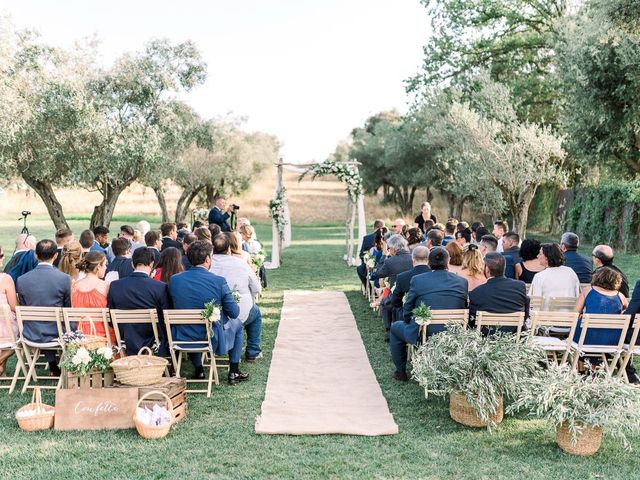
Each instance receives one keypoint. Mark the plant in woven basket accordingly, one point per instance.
(77, 359)
(576, 404)
(422, 314)
(484, 369)
(212, 311)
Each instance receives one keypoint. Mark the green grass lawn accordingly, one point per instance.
(217, 439)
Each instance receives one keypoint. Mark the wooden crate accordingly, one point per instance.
(94, 379)
(174, 388)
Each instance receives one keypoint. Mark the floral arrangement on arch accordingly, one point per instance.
(340, 170)
(276, 210)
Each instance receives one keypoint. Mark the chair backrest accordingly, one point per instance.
(173, 318)
(93, 315)
(7, 318)
(584, 285)
(442, 317)
(594, 321)
(563, 320)
(488, 319)
(527, 287)
(39, 314)
(141, 316)
(536, 303)
(561, 304)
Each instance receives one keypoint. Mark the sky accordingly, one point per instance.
(306, 71)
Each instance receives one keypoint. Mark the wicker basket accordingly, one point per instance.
(586, 444)
(139, 370)
(153, 431)
(463, 412)
(42, 420)
(92, 341)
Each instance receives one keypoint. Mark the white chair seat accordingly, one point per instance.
(8, 345)
(550, 343)
(635, 350)
(559, 329)
(43, 345)
(192, 349)
(595, 348)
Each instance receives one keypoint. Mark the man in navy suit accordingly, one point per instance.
(420, 257)
(138, 291)
(121, 263)
(44, 286)
(633, 309)
(368, 242)
(511, 248)
(219, 214)
(154, 242)
(170, 237)
(438, 289)
(500, 294)
(195, 288)
(580, 264)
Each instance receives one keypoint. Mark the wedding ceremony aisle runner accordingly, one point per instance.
(320, 380)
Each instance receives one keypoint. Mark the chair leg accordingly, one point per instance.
(19, 368)
(624, 361)
(179, 363)
(212, 369)
(574, 360)
(32, 358)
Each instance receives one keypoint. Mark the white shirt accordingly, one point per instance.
(239, 276)
(500, 248)
(555, 282)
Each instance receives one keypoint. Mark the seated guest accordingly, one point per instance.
(499, 294)
(72, 254)
(7, 329)
(420, 259)
(249, 242)
(235, 243)
(603, 296)
(101, 239)
(462, 226)
(424, 215)
(24, 243)
(188, 240)
(138, 241)
(169, 265)
(500, 228)
(195, 288)
(474, 228)
(633, 309)
(126, 232)
(170, 236)
(438, 289)
(368, 242)
(556, 280)
(414, 237)
(427, 225)
(434, 238)
(214, 229)
(87, 240)
(121, 266)
(44, 286)
(203, 233)
(472, 267)
(529, 265)
(463, 237)
(603, 257)
(241, 278)
(399, 227)
(138, 291)
(482, 232)
(399, 260)
(154, 242)
(511, 248)
(197, 224)
(487, 244)
(63, 236)
(580, 264)
(449, 231)
(455, 257)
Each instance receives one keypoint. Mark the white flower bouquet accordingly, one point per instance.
(212, 311)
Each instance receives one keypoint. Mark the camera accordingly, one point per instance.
(235, 208)
(25, 213)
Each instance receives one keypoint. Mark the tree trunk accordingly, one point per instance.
(103, 213)
(459, 207)
(184, 202)
(211, 193)
(48, 196)
(412, 196)
(162, 201)
(404, 199)
(520, 211)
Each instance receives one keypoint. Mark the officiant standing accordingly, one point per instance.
(219, 214)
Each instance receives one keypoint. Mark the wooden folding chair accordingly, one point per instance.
(596, 321)
(584, 285)
(500, 320)
(33, 348)
(561, 304)
(174, 318)
(94, 315)
(142, 316)
(552, 345)
(536, 303)
(10, 342)
(630, 349)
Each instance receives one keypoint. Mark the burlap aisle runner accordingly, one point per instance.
(320, 380)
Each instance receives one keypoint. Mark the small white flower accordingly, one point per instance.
(81, 356)
(106, 352)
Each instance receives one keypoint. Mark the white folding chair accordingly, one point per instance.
(128, 317)
(11, 343)
(176, 318)
(630, 349)
(500, 320)
(594, 322)
(560, 304)
(552, 345)
(32, 347)
(92, 315)
(536, 303)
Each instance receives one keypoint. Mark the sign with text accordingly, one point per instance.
(95, 408)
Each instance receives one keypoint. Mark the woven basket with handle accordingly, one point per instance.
(463, 412)
(43, 417)
(92, 341)
(139, 370)
(587, 443)
(153, 431)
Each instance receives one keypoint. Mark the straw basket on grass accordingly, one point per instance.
(586, 444)
(35, 415)
(463, 412)
(153, 431)
(139, 370)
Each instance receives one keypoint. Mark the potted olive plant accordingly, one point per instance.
(581, 408)
(477, 372)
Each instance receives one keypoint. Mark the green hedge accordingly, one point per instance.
(607, 213)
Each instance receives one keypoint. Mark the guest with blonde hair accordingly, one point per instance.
(249, 242)
(72, 254)
(236, 250)
(455, 257)
(472, 266)
(203, 233)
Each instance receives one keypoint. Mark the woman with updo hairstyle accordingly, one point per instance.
(414, 237)
(91, 292)
(72, 253)
(249, 242)
(170, 263)
(455, 257)
(529, 266)
(472, 266)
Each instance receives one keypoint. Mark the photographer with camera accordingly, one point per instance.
(220, 214)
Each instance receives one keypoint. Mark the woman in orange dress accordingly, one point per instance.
(91, 292)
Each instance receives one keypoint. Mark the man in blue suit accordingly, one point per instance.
(44, 286)
(420, 257)
(138, 291)
(195, 288)
(219, 215)
(121, 263)
(634, 310)
(500, 294)
(368, 242)
(580, 264)
(438, 289)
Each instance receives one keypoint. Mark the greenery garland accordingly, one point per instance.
(342, 171)
(276, 211)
